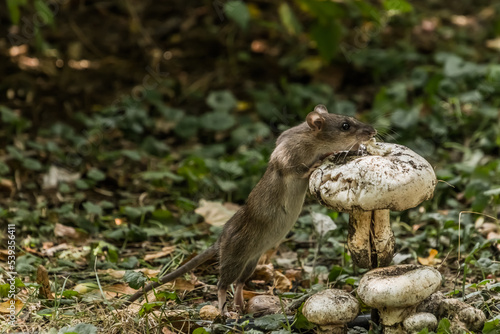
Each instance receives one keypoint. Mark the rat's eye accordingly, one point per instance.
(346, 126)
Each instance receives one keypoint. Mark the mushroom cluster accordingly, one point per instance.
(396, 291)
(391, 177)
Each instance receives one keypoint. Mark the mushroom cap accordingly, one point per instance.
(398, 180)
(398, 286)
(331, 307)
(209, 312)
(418, 321)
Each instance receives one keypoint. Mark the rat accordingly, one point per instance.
(275, 202)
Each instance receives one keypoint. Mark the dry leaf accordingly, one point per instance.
(180, 284)
(56, 175)
(64, 231)
(493, 43)
(250, 294)
(120, 288)
(431, 260)
(52, 250)
(281, 282)
(494, 235)
(263, 272)
(5, 306)
(294, 274)
(42, 278)
(164, 252)
(215, 213)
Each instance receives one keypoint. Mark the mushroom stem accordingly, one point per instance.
(383, 238)
(358, 239)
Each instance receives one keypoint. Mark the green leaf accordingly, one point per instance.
(270, 322)
(132, 212)
(92, 208)
(401, 6)
(222, 100)
(327, 37)
(444, 326)
(14, 12)
(32, 164)
(44, 12)
(136, 280)
(187, 126)
(238, 12)
(96, 175)
(200, 330)
(492, 326)
(4, 168)
(160, 175)
(132, 155)
(218, 121)
(289, 20)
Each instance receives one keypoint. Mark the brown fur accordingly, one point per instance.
(275, 203)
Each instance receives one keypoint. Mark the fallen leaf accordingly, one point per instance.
(164, 252)
(250, 294)
(6, 307)
(431, 259)
(281, 282)
(493, 43)
(494, 235)
(57, 175)
(42, 278)
(120, 288)
(263, 272)
(294, 274)
(52, 250)
(64, 231)
(215, 213)
(180, 284)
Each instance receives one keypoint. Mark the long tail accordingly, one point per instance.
(195, 262)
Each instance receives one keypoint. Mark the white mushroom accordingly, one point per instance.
(368, 187)
(263, 304)
(418, 321)
(456, 310)
(396, 292)
(331, 310)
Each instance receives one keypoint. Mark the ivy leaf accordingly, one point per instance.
(238, 12)
(96, 175)
(222, 100)
(32, 164)
(92, 208)
(136, 280)
(218, 121)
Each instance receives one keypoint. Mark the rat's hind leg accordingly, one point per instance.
(230, 270)
(239, 303)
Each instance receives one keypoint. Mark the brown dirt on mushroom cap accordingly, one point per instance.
(396, 271)
(375, 182)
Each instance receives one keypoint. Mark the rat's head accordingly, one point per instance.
(338, 132)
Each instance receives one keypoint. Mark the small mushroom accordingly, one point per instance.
(396, 292)
(262, 305)
(392, 177)
(331, 310)
(460, 312)
(209, 312)
(418, 321)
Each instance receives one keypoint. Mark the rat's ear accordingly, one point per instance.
(315, 121)
(321, 109)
